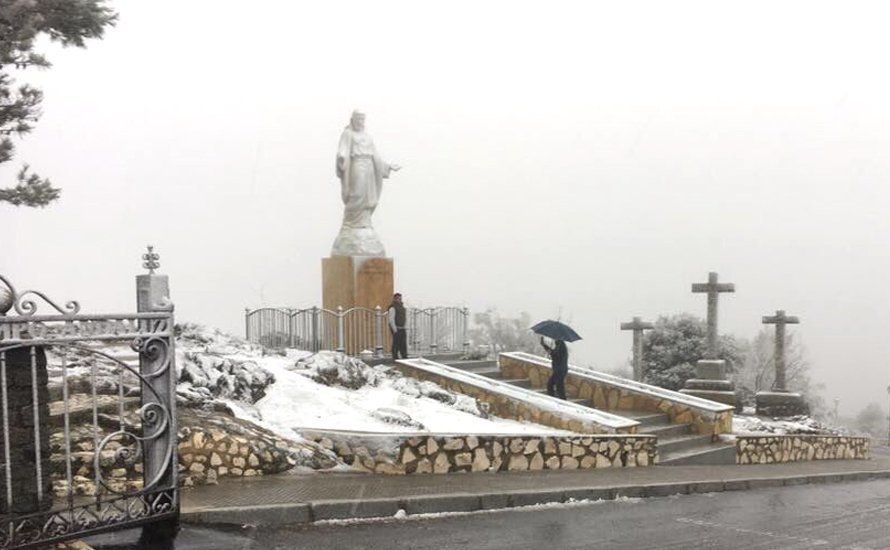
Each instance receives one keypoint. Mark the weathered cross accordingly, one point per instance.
(713, 290)
(638, 326)
(780, 320)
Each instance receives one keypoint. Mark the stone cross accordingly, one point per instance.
(637, 326)
(713, 289)
(780, 320)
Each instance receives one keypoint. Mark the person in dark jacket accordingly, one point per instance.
(397, 318)
(559, 363)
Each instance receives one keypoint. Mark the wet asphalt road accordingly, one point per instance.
(854, 515)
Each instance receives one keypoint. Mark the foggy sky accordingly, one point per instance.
(584, 160)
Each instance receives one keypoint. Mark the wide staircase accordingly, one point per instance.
(678, 444)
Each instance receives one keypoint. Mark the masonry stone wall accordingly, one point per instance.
(441, 454)
(613, 398)
(772, 449)
(506, 406)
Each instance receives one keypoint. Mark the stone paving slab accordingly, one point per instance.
(302, 498)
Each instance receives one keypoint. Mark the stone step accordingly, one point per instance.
(489, 373)
(80, 408)
(724, 397)
(712, 453)
(645, 418)
(474, 365)
(519, 382)
(679, 443)
(666, 430)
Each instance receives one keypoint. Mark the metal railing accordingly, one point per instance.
(357, 330)
(88, 420)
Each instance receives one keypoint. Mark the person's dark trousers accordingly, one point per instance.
(399, 344)
(557, 381)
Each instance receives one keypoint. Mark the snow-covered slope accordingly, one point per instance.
(294, 390)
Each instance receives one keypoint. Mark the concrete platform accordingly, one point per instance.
(296, 499)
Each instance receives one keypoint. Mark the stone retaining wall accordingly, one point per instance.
(441, 454)
(508, 406)
(769, 449)
(615, 398)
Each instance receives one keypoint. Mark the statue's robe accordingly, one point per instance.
(361, 172)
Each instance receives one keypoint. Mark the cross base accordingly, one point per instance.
(774, 403)
(710, 383)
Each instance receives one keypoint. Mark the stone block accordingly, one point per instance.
(780, 404)
(705, 384)
(710, 369)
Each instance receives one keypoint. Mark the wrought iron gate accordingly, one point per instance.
(88, 417)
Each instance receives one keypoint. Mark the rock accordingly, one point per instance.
(588, 462)
(453, 444)
(569, 463)
(463, 459)
(441, 465)
(517, 463)
(408, 456)
(531, 446)
(472, 442)
(552, 463)
(602, 461)
(424, 466)
(196, 467)
(253, 460)
(215, 459)
(481, 463)
(389, 469)
(536, 462)
(239, 462)
(431, 446)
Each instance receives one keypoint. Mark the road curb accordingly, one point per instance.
(321, 510)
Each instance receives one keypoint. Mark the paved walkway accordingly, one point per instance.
(317, 495)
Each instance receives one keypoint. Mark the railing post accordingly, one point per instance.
(433, 339)
(378, 322)
(314, 330)
(465, 315)
(340, 339)
(247, 324)
(153, 295)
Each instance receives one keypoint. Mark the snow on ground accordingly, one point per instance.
(295, 390)
(795, 425)
(296, 401)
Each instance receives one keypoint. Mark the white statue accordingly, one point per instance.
(361, 172)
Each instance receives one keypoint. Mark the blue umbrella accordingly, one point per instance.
(556, 330)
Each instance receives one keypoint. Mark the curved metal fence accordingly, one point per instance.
(357, 330)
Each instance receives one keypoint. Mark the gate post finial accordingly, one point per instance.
(151, 260)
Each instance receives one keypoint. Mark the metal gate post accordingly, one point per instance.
(465, 314)
(314, 329)
(433, 338)
(378, 322)
(340, 340)
(153, 294)
(247, 324)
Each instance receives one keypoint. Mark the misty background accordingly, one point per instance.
(588, 161)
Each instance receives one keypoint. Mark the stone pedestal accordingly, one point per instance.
(774, 403)
(358, 281)
(710, 382)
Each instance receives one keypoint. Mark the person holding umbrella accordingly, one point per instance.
(559, 353)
